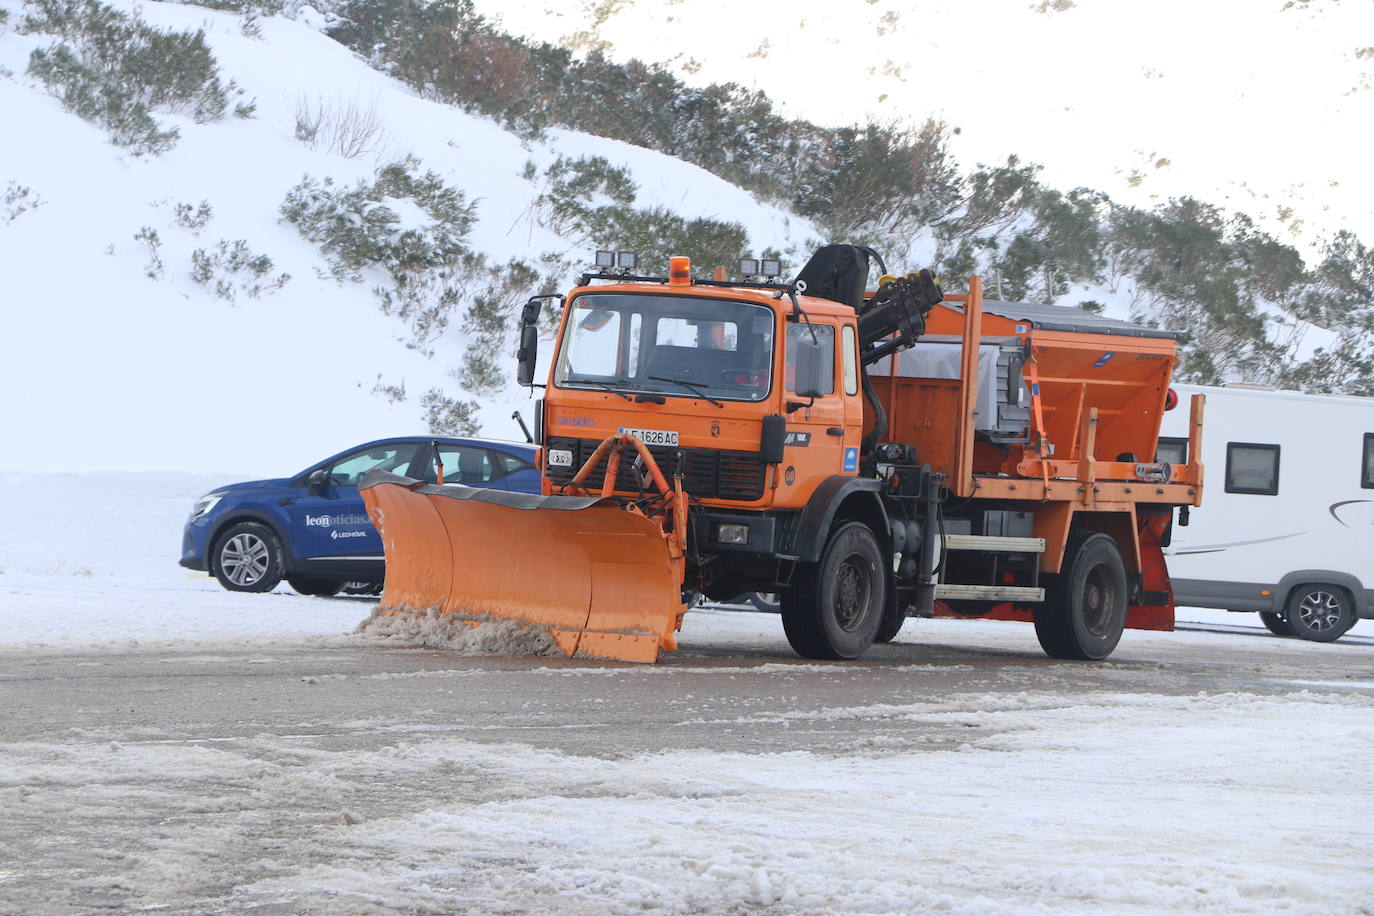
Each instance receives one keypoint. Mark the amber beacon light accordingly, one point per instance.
(679, 271)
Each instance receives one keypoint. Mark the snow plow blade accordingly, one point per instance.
(597, 577)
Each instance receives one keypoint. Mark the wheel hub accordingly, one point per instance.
(852, 592)
(1320, 611)
(1099, 596)
(244, 559)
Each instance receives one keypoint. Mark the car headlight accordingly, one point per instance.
(204, 505)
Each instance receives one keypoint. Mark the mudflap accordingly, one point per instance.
(597, 577)
(1156, 608)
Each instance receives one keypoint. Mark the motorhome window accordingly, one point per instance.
(850, 366)
(1252, 467)
(825, 337)
(1172, 450)
(677, 346)
(1367, 478)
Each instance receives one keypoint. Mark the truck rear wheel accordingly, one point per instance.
(1084, 610)
(834, 607)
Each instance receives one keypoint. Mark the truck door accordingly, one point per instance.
(815, 445)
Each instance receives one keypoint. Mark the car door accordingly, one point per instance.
(329, 520)
(519, 474)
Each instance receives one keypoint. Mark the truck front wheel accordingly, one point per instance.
(1084, 610)
(834, 607)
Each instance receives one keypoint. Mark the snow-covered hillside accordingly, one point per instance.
(107, 368)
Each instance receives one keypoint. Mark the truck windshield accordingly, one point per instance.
(670, 345)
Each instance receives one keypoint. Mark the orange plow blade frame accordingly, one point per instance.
(600, 579)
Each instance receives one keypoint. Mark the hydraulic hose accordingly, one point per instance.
(879, 415)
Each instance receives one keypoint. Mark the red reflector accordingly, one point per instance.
(1170, 399)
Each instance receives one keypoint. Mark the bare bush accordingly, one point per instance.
(351, 128)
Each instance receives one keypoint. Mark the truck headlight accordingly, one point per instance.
(204, 505)
(732, 534)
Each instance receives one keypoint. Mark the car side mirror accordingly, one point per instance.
(317, 480)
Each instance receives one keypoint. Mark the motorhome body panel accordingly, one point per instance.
(1290, 499)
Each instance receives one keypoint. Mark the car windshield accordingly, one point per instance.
(682, 346)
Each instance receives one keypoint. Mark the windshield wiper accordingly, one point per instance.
(694, 387)
(604, 387)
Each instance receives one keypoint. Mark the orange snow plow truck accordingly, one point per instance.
(868, 454)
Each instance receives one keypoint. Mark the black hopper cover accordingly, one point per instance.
(838, 273)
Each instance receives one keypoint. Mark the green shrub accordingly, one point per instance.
(446, 416)
(17, 199)
(115, 70)
(193, 217)
(428, 267)
(148, 236)
(231, 267)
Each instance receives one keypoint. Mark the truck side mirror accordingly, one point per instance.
(528, 353)
(809, 367)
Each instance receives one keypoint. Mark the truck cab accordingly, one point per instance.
(716, 384)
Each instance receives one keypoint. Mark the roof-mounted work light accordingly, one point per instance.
(605, 259)
(626, 260)
(748, 267)
(770, 267)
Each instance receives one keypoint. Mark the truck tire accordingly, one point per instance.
(248, 557)
(1084, 610)
(1276, 623)
(888, 630)
(1321, 613)
(767, 602)
(834, 607)
(315, 585)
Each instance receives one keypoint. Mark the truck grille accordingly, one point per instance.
(706, 473)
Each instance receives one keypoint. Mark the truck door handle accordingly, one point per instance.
(834, 431)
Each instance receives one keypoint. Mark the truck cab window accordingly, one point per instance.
(850, 343)
(595, 343)
(1252, 467)
(670, 345)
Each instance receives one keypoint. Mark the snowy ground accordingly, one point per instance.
(166, 745)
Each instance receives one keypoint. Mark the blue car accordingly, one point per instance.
(312, 529)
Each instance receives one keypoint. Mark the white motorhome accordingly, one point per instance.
(1286, 525)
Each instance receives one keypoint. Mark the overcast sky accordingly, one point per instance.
(1253, 104)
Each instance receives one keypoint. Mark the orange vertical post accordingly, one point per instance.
(968, 387)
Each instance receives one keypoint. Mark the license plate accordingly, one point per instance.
(652, 436)
(560, 458)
